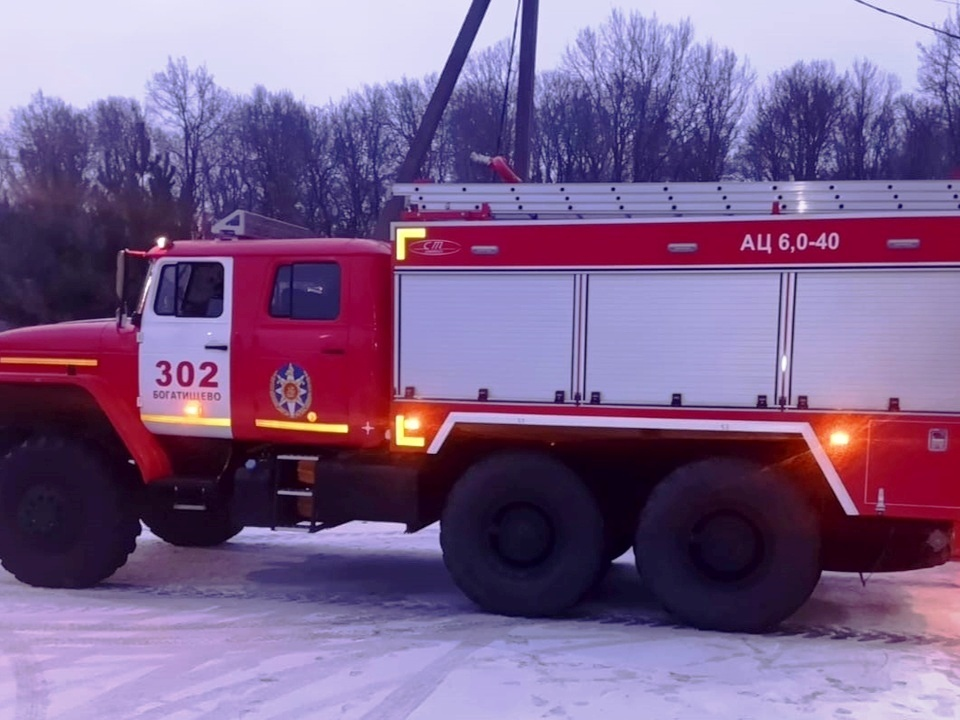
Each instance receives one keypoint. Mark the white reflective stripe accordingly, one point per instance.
(641, 423)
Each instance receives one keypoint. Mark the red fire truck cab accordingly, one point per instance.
(745, 384)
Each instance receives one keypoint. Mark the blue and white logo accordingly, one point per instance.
(291, 391)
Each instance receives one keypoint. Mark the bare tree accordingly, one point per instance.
(134, 192)
(569, 142)
(191, 108)
(633, 67)
(796, 117)
(364, 157)
(481, 113)
(924, 152)
(598, 60)
(939, 79)
(6, 169)
(658, 58)
(714, 97)
(275, 134)
(51, 253)
(227, 171)
(869, 127)
(408, 100)
(320, 185)
(52, 142)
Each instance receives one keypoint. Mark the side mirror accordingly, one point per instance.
(121, 275)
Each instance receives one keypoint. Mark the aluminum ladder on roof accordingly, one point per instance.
(618, 200)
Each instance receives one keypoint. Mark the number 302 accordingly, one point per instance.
(186, 374)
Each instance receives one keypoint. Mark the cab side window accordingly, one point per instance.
(306, 291)
(190, 290)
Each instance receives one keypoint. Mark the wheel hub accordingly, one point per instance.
(42, 515)
(726, 546)
(522, 535)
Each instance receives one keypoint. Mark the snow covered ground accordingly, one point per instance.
(363, 622)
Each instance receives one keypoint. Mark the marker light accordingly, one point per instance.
(406, 234)
(163, 242)
(839, 438)
(192, 409)
(405, 424)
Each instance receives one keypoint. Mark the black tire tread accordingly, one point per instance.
(796, 571)
(116, 529)
(533, 475)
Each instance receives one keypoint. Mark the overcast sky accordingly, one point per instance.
(83, 50)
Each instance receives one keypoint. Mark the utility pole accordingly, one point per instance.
(431, 119)
(441, 97)
(525, 87)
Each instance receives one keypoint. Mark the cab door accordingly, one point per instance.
(294, 374)
(185, 333)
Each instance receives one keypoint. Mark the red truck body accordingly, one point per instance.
(853, 350)
(603, 345)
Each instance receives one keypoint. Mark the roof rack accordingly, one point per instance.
(599, 200)
(245, 225)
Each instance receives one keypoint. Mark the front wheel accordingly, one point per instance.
(66, 520)
(522, 536)
(726, 545)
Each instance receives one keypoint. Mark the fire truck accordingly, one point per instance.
(747, 384)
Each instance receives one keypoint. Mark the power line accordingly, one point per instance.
(908, 19)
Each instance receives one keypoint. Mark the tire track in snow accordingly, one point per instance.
(31, 698)
(403, 608)
(401, 703)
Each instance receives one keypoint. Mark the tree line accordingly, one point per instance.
(633, 100)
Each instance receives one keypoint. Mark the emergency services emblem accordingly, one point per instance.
(290, 391)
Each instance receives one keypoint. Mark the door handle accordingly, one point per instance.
(215, 346)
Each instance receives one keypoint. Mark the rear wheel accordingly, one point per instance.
(726, 545)
(191, 528)
(66, 520)
(522, 536)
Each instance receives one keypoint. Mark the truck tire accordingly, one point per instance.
(522, 536)
(191, 528)
(66, 520)
(725, 545)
